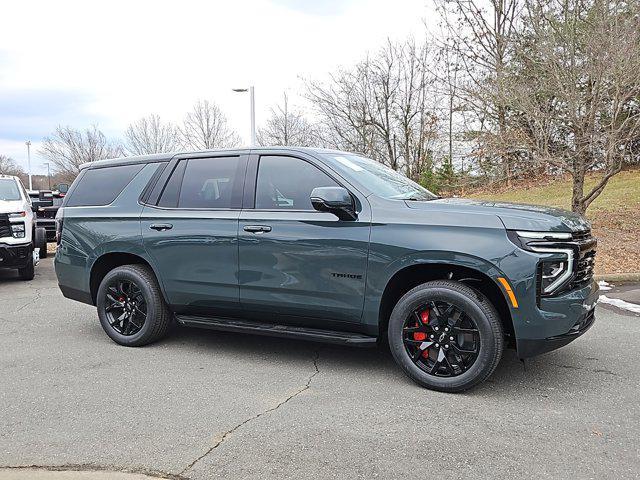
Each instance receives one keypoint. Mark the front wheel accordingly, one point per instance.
(131, 308)
(446, 336)
(29, 271)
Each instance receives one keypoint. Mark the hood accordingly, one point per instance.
(11, 206)
(514, 216)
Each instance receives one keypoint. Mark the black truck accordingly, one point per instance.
(45, 205)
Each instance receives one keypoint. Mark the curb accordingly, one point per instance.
(618, 277)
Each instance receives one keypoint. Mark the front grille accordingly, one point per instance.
(5, 228)
(581, 236)
(585, 258)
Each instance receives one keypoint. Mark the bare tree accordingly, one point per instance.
(576, 90)
(206, 127)
(8, 166)
(151, 135)
(382, 107)
(483, 34)
(69, 148)
(287, 127)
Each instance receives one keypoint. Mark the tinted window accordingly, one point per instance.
(9, 189)
(169, 197)
(210, 183)
(286, 183)
(101, 186)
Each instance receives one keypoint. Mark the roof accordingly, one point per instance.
(159, 157)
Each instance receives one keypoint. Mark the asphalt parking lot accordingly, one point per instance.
(204, 404)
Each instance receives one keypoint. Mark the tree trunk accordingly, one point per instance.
(577, 197)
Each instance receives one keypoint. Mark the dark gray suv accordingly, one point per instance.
(327, 246)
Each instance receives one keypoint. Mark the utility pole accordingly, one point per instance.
(28, 144)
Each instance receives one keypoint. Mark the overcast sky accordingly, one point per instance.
(78, 63)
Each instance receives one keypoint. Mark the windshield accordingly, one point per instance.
(379, 179)
(9, 189)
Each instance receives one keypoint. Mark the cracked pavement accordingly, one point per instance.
(204, 404)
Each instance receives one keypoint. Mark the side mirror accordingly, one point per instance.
(336, 200)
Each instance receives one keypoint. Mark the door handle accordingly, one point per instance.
(161, 227)
(257, 228)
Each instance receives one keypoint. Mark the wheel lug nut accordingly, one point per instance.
(436, 329)
(446, 346)
(437, 345)
(431, 336)
(451, 338)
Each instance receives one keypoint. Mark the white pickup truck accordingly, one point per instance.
(20, 241)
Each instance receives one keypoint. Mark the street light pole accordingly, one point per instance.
(48, 173)
(252, 111)
(252, 100)
(28, 144)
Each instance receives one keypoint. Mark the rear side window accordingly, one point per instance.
(210, 183)
(101, 186)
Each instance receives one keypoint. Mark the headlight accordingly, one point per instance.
(17, 230)
(555, 270)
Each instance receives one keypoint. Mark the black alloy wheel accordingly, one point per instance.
(125, 307)
(441, 339)
(446, 335)
(131, 306)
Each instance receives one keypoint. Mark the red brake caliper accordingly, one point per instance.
(421, 336)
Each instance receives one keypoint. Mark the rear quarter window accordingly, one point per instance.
(101, 186)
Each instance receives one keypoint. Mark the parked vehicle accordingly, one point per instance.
(328, 246)
(46, 204)
(20, 240)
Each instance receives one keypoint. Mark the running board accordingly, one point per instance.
(275, 330)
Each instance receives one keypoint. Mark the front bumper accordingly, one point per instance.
(532, 347)
(15, 256)
(558, 321)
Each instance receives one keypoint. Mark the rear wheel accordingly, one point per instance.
(446, 336)
(130, 306)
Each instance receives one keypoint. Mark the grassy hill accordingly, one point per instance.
(614, 215)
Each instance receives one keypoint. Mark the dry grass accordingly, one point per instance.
(614, 215)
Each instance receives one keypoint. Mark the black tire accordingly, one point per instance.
(158, 316)
(28, 272)
(40, 241)
(475, 307)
